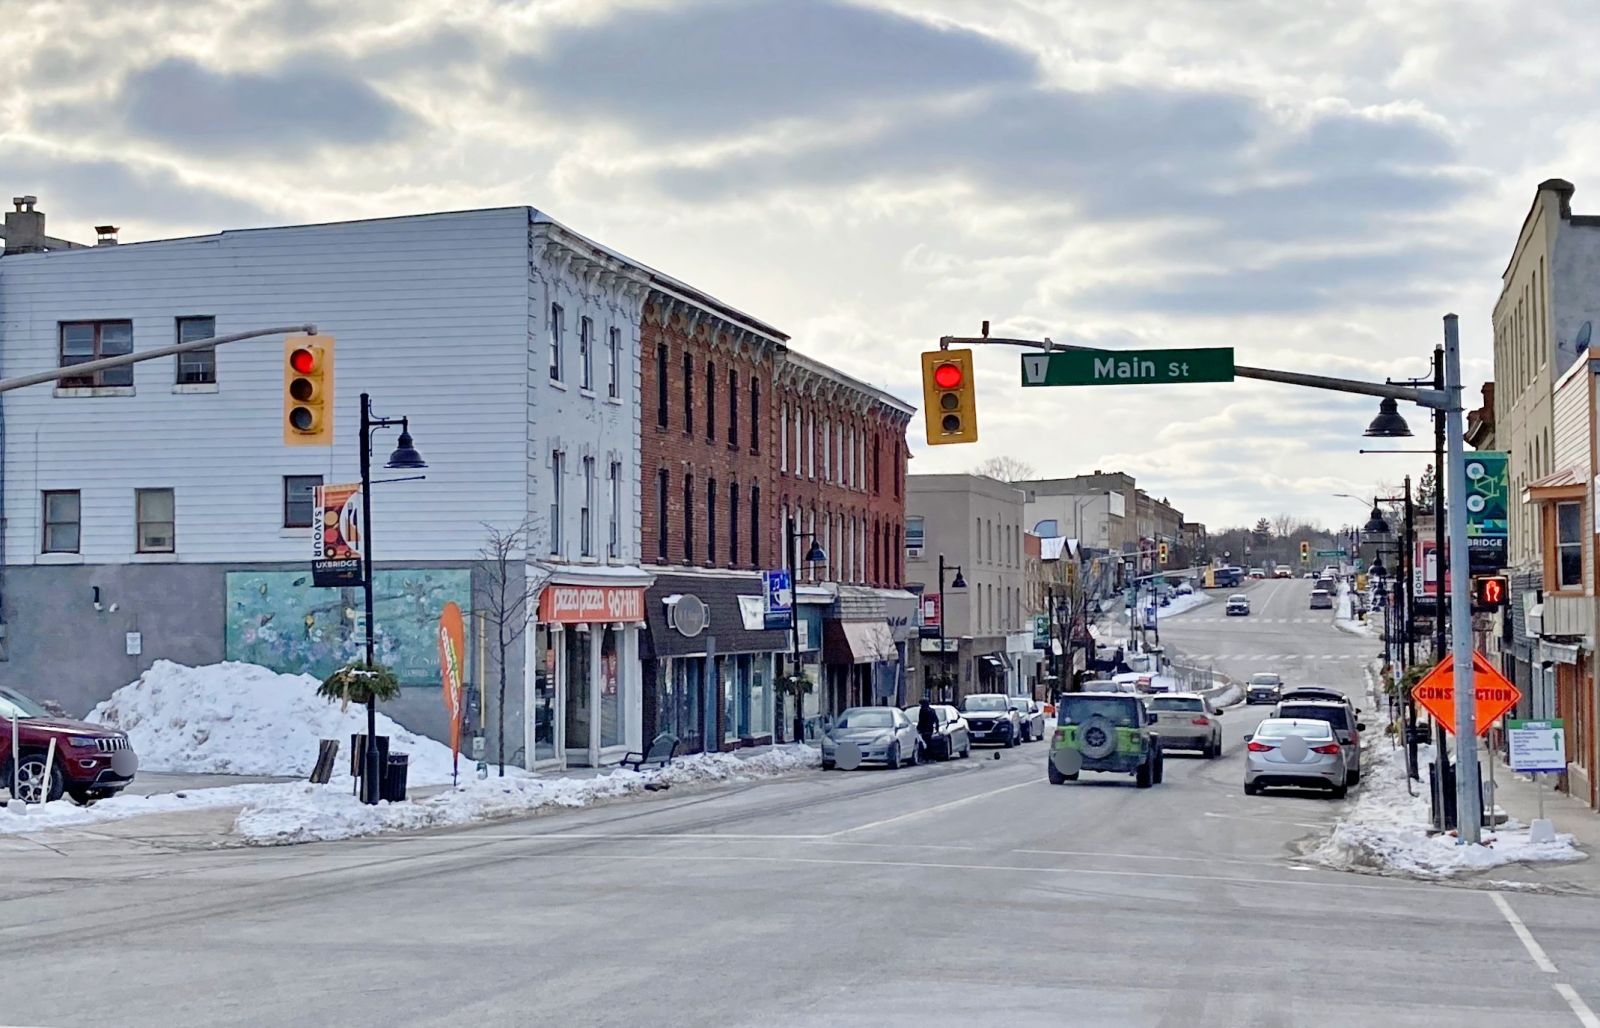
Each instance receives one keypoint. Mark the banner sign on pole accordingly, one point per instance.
(452, 650)
(1487, 518)
(777, 598)
(337, 535)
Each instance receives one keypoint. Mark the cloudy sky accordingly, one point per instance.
(1314, 182)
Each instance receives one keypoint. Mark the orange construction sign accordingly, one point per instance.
(1494, 694)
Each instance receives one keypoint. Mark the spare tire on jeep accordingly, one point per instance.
(1098, 739)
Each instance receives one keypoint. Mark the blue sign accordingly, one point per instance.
(777, 598)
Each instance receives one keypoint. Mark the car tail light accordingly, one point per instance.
(1201, 720)
(1329, 749)
(1258, 747)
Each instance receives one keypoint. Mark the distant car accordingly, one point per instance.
(1184, 720)
(1308, 575)
(92, 762)
(950, 736)
(1321, 599)
(1282, 573)
(991, 719)
(1107, 685)
(1263, 687)
(1184, 589)
(1295, 753)
(883, 735)
(1315, 692)
(1030, 715)
(1238, 603)
(1326, 585)
(1341, 717)
(1257, 573)
(1105, 732)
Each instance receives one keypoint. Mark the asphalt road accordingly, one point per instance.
(969, 893)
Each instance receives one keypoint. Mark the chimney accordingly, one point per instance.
(105, 235)
(24, 226)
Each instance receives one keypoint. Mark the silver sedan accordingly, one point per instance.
(871, 735)
(1030, 713)
(1294, 752)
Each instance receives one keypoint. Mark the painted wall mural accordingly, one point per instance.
(279, 620)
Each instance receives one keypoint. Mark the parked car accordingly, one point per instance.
(883, 735)
(1341, 717)
(1185, 720)
(1308, 575)
(1321, 599)
(1315, 692)
(1264, 687)
(1282, 573)
(990, 718)
(1184, 588)
(1111, 685)
(92, 762)
(1105, 732)
(951, 738)
(1238, 603)
(1030, 716)
(1257, 573)
(1296, 753)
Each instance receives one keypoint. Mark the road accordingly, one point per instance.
(968, 893)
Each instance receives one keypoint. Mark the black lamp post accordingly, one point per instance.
(957, 583)
(406, 458)
(815, 555)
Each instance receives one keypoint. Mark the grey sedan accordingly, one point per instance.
(1294, 752)
(1030, 713)
(871, 735)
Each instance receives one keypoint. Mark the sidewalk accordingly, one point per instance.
(1518, 796)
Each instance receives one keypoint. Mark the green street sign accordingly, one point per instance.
(1332, 553)
(1127, 367)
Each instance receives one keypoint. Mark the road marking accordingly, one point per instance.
(732, 836)
(929, 810)
(1529, 943)
(1265, 820)
(1586, 1017)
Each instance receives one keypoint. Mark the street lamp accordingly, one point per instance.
(1389, 424)
(958, 582)
(405, 458)
(814, 555)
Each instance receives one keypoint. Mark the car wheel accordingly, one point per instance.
(894, 756)
(1161, 770)
(1341, 791)
(1050, 772)
(968, 751)
(1351, 778)
(83, 797)
(1251, 789)
(827, 765)
(1142, 778)
(30, 786)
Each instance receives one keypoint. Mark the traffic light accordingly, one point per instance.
(949, 401)
(1305, 552)
(308, 391)
(1489, 592)
(1163, 554)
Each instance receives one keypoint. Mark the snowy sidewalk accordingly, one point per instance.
(1518, 796)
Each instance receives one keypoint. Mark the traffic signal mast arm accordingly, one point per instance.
(90, 367)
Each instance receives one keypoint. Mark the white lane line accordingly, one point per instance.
(1586, 1017)
(929, 810)
(1529, 943)
(559, 836)
(1263, 820)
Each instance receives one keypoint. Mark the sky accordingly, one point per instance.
(1312, 182)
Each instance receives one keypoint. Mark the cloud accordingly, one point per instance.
(186, 105)
(714, 68)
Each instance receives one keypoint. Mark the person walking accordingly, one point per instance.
(927, 724)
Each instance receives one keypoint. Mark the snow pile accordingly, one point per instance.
(313, 813)
(1386, 832)
(1183, 604)
(243, 719)
(1229, 695)
(1344, 618)
(66, 814)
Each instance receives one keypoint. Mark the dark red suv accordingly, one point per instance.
(92, 761)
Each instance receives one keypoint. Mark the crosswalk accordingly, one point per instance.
(1271, 657)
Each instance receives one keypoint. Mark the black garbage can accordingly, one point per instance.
(394, 777)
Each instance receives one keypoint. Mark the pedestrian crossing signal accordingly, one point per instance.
(1490, 592)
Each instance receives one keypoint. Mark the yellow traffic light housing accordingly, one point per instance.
(949, 399)
(1305, 552)
(1163, 554)
(308, 391)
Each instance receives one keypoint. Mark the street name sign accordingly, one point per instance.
(1537, 745)
(1493, 694)
(1332, 553)
(1127, 367)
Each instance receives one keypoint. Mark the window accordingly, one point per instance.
(558, 462)
(914, 531)
(63, 512)
(154, 510)
(197, 367)
(661, 385)
(783, 437)
(662, 487)
(899, 464)
(827, 448)
(755, 526)
(299, 499)
(811, 445)
(688, 394)
(84, 341)
(613, 363)
(688, 519)
(557, 325)
(898, 556)
(711, 521)
(614, 536)
(586, 352)
(711, 402)
(585, 517)
(1569, 545)
(733, 407)
(798, 466)
(755, 415)
(877, 465)
(733, 524)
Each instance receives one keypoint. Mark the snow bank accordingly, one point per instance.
(243, 719)
(1386, 831)
(66, 814)
(314, 813)
(1182, 604)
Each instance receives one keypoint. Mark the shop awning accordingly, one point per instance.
(867, 641)
(995, 661)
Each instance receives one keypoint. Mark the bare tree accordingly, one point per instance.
(1283, 525)
(1005, 469)
(505, 600)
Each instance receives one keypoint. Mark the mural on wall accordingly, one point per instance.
(279, 620)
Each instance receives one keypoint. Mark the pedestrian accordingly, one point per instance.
(927, 724)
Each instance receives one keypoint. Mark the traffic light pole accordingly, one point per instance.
(104, 363)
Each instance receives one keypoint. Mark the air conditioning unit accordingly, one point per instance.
(913, 553)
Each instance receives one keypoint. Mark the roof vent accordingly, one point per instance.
(105, 235)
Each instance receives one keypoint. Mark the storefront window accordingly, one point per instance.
(678, 700)
(610, 689)
(760, 695)
(579, 711)
(728, 678)
(544, 695)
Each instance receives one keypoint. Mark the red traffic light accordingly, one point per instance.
(303, 361)
(1492, 592)
(947, 376)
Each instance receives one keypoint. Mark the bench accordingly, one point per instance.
(661, 752)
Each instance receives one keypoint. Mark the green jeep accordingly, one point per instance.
(1104, 732)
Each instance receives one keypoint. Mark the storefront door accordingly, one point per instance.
(579, 711)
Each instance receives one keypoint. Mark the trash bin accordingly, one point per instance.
(394, 777)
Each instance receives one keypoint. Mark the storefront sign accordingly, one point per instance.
(931, 614)
(575, 604)
(1041, 631)
(688, 615)
(336, 535)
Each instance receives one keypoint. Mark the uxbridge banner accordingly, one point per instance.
(336, 535)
